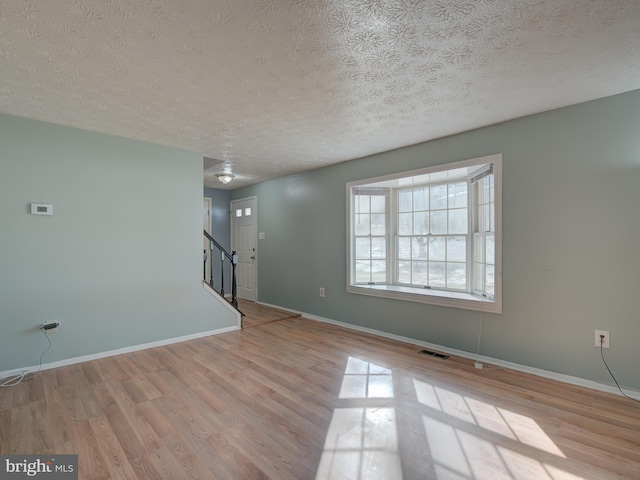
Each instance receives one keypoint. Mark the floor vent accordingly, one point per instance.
(434, 354)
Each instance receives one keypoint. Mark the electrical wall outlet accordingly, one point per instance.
(605, 341)
(322, 292)
(50, 327)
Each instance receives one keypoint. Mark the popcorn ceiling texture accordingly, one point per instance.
(274, 87)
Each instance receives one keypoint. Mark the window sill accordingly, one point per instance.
(433, 297)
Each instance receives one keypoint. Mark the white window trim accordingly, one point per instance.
(467, 301)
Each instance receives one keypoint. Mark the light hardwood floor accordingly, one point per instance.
(256, 314)
(297, 399)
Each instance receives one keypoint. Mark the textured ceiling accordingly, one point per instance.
(274, 87)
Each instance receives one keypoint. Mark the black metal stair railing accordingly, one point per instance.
(232, 257)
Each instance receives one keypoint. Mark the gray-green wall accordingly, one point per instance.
(119, 262)
(571, 240)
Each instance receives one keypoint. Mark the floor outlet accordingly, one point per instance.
(478, 365)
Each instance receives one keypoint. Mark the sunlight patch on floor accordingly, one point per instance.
(498, 420)
(362, 442)
(366, 380)
(477, 440)
(463, 438)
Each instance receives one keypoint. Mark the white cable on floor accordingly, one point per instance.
(17, 377)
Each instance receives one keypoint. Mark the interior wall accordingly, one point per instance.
(118, 263)
(571, 192)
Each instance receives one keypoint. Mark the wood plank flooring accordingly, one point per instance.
(256, 314)
(296, 399)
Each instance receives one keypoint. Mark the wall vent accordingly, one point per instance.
(434, 354)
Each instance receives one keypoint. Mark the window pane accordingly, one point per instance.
(421, 199)
(489, 279)
(419, 273)
(479, 248)
(404, 272)
(247, 212)
(363, 248)
(404, 223)
(490, 256)
(458, 195)
(439, 222)
(404, 201)
(238, 212)
(362, 224)
(456, 275)
(439, 197)
(458, 221)
(378, 203)
(378, 248)
(377, 224)
(492, 188)
(363, 271)
(484, 221)
(436, 274)
(437, 248)
(456, 249)
(479, 277)
(492, 218)
(379, 271)
(419, 251)
(363, 203)
(420, 223)
(404, 248)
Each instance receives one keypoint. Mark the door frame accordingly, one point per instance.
(232, 229)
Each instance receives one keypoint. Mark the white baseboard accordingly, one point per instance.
(452, 351)
(118, 351)
(561, 377)
(134, 348)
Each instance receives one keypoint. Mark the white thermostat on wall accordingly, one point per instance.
(41, 209)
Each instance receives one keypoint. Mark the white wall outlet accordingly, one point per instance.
(50, 327)
(322, 292)
(605, 343)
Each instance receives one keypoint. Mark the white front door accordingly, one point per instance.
(207, 226)
(244, 241)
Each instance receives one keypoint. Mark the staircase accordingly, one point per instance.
(223, 255)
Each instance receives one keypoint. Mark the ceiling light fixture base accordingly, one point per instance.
(225, 177)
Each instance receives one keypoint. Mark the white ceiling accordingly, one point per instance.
(275, 87)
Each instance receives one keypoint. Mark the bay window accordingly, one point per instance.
(430, 235)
